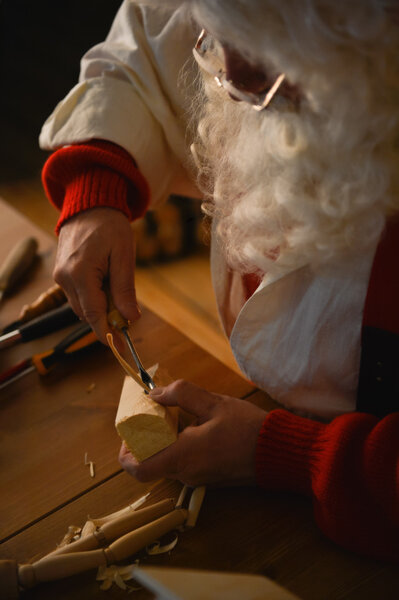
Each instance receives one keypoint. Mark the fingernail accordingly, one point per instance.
(156, 391)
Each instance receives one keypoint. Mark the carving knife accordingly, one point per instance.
(18, 261)
(116, 320)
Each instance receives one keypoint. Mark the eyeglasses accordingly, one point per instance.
(208, 54)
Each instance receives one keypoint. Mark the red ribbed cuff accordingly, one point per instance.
(93, 174)
(286, 452)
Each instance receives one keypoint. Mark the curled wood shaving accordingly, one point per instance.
(90, 464)
(88, 528)
(91, 388)
(125, 365)
(118, 575)
(157, 548)
(71, 535)
(194, 506)
(182, 496)
(152, 370)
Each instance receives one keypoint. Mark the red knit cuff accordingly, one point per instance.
(285, 452)
(92, 174)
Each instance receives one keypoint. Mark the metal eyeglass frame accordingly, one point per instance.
(207, 58)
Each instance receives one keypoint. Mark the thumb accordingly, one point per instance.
(187, 396)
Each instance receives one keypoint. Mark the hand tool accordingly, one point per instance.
(51, 321)
(116, 320)
(80, 338)
(17, 263)
(48, 300)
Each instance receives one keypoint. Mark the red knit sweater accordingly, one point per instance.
(92, 174)
(350, 467)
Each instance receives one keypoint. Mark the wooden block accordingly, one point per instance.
(145, 426)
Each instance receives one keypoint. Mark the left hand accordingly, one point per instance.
(219, 447)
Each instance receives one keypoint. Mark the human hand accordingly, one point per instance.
(219, 447)
(93, 245)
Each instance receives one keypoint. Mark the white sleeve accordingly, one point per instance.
(131, 92)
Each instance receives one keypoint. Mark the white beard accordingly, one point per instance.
(290, 188)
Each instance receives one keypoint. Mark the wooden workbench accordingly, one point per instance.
(48, 424)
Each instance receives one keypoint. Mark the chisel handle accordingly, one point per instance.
(17, 263)
(48, 300)
(79, 339)
(115, 318)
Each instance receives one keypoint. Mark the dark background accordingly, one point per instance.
(41, 44)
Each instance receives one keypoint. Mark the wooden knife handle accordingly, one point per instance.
(48, 300)
(17, 263)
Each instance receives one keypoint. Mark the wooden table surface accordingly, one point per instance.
(48, 424)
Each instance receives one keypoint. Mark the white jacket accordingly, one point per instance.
(297, 337)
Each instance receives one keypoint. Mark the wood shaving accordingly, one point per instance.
(182, 496)
(71, 535)
(90, 464)
(125, 365)
(152, 370)
(115, 574)
(88, 528)
(157, 548)
(194, 506)
(91, 388)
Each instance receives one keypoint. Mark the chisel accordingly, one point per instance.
(79, 339)
(53, 320)
(16, 264)
(116, 320)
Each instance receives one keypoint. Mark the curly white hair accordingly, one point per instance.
(315, 184)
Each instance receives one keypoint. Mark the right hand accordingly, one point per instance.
(94, 245)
